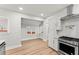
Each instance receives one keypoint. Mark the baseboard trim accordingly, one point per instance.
(45, 40)
(55, 51)
(12, 47)
(32, 39)
(27, 39)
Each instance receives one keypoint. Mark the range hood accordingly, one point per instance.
(70, 14)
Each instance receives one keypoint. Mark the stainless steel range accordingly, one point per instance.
(68, 45)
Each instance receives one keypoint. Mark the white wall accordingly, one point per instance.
(45, 30)
(13, 37)
(41, 31)
(26, 36)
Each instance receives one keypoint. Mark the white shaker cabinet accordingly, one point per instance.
(52, 37)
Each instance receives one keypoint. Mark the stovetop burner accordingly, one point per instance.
(74, 41)
(69, 38)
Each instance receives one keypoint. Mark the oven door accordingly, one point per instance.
(68, 49)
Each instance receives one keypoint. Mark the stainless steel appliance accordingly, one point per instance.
(68, 45)
(2, 48)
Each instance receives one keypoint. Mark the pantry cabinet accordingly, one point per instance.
(52, 37)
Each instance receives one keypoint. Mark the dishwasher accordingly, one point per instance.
(2, 48)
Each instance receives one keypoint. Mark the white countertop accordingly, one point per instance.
(1, 41)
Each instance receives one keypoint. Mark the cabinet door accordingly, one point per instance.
(51, 35)
(50, 43)
(52, 38)
(55, 44)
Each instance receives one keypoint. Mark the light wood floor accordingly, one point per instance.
(32, 47)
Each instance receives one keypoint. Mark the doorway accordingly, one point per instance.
(30, 29)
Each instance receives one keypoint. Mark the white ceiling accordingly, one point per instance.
(35, 9)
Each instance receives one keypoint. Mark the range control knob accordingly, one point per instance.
(71, 53)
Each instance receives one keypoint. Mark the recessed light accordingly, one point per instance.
(42, 14)
(28, 27)
(20, 8)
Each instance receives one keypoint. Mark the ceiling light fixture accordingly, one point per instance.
(20, 8)
(42, 14)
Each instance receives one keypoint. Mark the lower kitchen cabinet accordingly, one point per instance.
(53, 44)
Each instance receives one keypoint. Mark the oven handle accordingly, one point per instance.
(68, 43)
